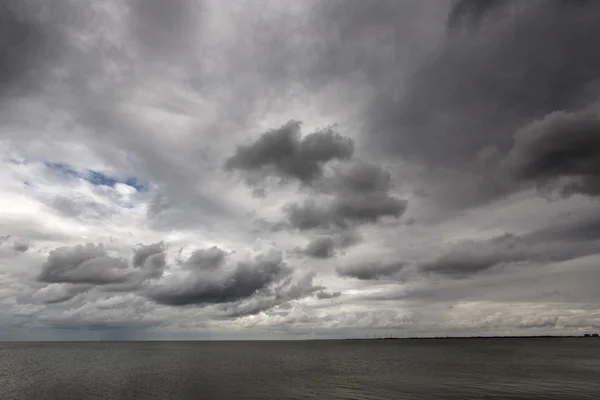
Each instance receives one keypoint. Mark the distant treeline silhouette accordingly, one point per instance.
(586, 335)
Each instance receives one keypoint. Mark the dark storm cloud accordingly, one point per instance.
(561, 145)
(481, 86)
(371, 271)
(321, 247)
(361, 177)
(284, 153)
(20, 247)
(221, 285)
(344, 212)
(87, 264)
(28, 45)
(515, 62)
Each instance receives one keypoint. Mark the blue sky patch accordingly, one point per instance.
(96, 177)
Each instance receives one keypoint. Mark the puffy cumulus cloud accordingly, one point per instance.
(220, 285)
(208, 277)
(210, 258)
(357, 193)
(284, 153)
(74, 270)
(88, 264)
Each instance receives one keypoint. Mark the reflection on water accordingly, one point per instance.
(405, 369)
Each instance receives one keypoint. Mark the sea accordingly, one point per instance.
(346, 369)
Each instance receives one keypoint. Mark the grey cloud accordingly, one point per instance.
(162, 28)
(20, 247)
(28, 46)
(308, 215)
(59, 292)
(578, 237)
(323, 295)
(578, 229)
(471, 257)
(206, 259)
(472, 89)
(561, 145)
(282, 152)
(222, 285)
(326, 246)
(371, 271)
(87, 264)
(359, 193)
(446, 117)
(77, 207)
(471, 13)
(448, 103)
(362, 39)
(145, 253)
(369, 207)
(150, 259)
(561, 242)
(344, 211)
(321, 247)
(279, 296)
(360, 177)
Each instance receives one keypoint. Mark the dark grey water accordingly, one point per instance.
(407, 369)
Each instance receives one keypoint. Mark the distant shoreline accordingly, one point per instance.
(480, 337)
(378, 339)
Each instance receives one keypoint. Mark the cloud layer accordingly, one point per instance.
(242, 169)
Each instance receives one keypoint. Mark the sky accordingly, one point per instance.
(264, 169)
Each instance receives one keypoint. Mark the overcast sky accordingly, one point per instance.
(268, 169)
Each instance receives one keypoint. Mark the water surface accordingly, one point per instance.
(400, 369)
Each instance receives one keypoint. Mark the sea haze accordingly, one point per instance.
(506, 369)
